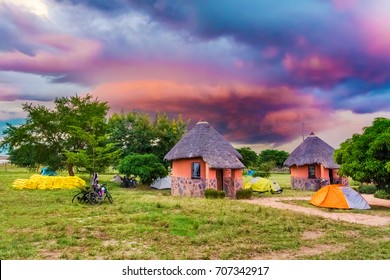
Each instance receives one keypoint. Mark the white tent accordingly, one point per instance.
(163, 183)
(117, 179)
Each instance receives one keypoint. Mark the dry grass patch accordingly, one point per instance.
(312, 235)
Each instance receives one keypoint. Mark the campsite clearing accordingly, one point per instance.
(146, 224)
(347, 216)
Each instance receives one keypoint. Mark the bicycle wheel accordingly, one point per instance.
(78, 197)
(94, 198)
(109, 197)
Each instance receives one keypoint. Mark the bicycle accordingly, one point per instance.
(129, 182)
(94, 196)
(100, 194)
(83, 196)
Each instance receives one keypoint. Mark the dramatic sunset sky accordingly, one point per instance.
(257, 70)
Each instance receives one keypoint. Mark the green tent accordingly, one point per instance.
(258, 184)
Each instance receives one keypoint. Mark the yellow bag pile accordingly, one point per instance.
(49, 182)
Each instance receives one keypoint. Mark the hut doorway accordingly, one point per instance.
(219, 179)
(331, 176)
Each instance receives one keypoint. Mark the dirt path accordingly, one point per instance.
(364, 219)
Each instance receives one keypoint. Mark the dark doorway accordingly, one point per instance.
(219, 179)
(330, 176)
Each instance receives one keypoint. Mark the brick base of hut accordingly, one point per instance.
(299, 183)
(182, 186)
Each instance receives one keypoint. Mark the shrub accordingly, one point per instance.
(263, 174)
(367, 189)
(244, 194)
(382, 194)
(146, 166)
(214, 194)
(211, 193)
(221, 194)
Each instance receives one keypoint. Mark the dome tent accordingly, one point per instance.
(258, 184)
(162, 183)
(338, 196)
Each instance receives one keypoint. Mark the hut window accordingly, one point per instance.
(195, 170)
(312, 171)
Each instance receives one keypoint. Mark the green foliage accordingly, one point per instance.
(214, 194)
(250, 157)
(382, 194)
(60, 137)
(276, 156)
(365, 157)
(211, 193)
(147, 167)
(221, 194)
(368, 189)
(264, 170)
(46, 225)
(244, 194)
(131, 133)
(136, 133)
(166, 134)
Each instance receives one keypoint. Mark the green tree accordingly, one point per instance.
(366, 157)
(276, 156)
(61, 138)
(131, 133)
(166, 134)
(136, 133)
(147, 167)
(264, 169)
(250, 157)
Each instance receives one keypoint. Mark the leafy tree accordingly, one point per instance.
(131, 133)
(366, 157)
(147, 167)
(250, 157)
(264, 169)
(66, 136)
(166, 134)
(278, 157)
(136, 133)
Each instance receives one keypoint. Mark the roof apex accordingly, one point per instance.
(204, 141)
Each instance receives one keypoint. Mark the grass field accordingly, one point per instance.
(149, 224)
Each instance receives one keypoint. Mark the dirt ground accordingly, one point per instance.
(364, 219)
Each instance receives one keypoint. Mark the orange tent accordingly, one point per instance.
(338, 196)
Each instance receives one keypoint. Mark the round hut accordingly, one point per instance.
(204, 159)
(311, 165)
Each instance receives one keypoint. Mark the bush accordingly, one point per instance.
(214, 194)
(146, 166)
(211, 193)
(367, 189)
(382, 194)
(221, 194)
(261, 173)
(244, 194)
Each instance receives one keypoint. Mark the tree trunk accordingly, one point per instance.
(70, 170)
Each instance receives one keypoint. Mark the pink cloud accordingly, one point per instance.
(7, 92)
(244, 111)
(344, 4)
(317, 68)
(377, 34)
(59, 53)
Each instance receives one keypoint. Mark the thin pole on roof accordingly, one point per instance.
(303, 136)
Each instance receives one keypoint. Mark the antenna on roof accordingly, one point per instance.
(303, 136)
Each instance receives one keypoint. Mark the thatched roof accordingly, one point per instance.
(312, 150)
(205, 142)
